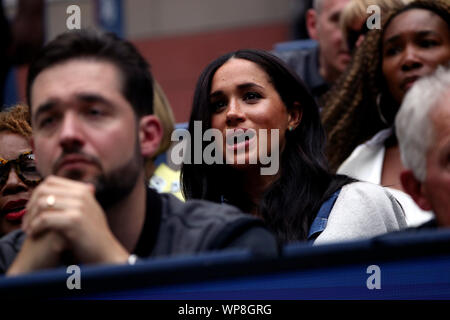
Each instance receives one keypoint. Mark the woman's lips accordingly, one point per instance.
(15, 215)
(242, 144)
(408, 82)
(14, 210)
(240, 138)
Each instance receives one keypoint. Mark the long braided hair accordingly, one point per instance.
(354, 104)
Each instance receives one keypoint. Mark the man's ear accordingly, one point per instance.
(150, 135)
(295, 115)
(311, 23)
(415, 189)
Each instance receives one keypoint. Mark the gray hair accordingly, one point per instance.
(317, 5)
(413, 124)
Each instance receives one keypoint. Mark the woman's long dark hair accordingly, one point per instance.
(290, 204)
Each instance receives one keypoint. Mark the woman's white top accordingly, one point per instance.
(366, 164)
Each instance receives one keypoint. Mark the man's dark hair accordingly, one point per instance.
(137, 81)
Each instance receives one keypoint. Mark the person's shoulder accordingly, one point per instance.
(193, 211)
(10, 245)
(366, 190)
(13, 239)
(373, 199)
(200, 225)
(362, 210)
(371, 195)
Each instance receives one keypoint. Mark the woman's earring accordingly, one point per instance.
(378, 103)
(291, 128)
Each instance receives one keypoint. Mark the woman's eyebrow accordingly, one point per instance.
(421, 33)
(248, 85)
(243, 86)
(216, 94)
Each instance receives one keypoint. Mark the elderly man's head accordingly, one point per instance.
(323, 25)
(423, 131)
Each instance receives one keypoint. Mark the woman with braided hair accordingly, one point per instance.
(361, 109)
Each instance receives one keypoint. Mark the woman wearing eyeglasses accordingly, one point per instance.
(18, 174)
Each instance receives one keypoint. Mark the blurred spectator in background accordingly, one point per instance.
(320, 66)
(20, 38)
(163, 177)
(423, 131)
(18, 173)
(299, 30)
(359, 115)
(354, 17)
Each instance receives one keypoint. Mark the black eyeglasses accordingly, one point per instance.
(25, 169)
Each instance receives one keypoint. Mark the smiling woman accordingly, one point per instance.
(360, 110)
(18, 174)
(253, 91)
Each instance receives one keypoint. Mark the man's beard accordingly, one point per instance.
(112, 187)
(115, 186)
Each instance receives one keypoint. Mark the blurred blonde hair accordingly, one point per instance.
(163, 111)
(356, 10)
